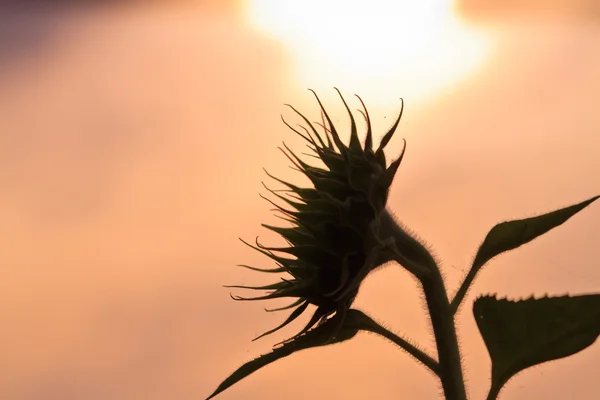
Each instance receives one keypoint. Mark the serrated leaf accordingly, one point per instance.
(319, 336)
(512, 234)
(521, 334)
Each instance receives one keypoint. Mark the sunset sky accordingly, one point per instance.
(132, 142)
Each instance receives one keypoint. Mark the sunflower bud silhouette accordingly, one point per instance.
(335, 233)
(341, 230)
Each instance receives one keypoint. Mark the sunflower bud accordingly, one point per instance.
(334, 237)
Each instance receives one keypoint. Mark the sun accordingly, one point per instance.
(413, 47)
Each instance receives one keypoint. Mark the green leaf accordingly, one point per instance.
(520, 334)
(512, 234)
(319, 336)
(509, 235)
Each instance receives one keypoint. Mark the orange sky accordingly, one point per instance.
(131, 151)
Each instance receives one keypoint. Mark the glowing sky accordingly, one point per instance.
(417, 47)
(132, 143)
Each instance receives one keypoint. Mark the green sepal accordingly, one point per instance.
(272, 286)
(367, 266)
(320, 313)
(299, 269)
(272, 270)
(386, 178)
(295, 314)
(292, 290)
(308, 137)
(307, 122)
(320, 206)
(288, 199)
(278, 259)
(302, 165)
(380, 158)
(306, 252)
(369, 134)
(295, 234)
(361, 179)
(333, 187)
(334, 161)
(336, 138)
(354, 146)
(294, 304)
(386, 138)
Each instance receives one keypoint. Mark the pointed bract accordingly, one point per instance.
(331, 238)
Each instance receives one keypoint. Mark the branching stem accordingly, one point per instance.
(411, 349)
(409, 250)
(442, 320)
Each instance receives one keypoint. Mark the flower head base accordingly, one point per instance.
(334, 234)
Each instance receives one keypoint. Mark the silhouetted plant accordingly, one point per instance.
(341, 230)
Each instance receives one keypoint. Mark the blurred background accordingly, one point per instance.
(132, 141)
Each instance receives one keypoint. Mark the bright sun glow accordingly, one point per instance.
(412, 48)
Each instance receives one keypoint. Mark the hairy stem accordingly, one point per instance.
(494, 392)
(442, 320)
(464, 287)
(368, 324)
(410, 251)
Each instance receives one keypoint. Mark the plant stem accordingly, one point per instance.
(409, 251)
(442, 320)
(493, 393)
(366, 323)
(464, 287)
